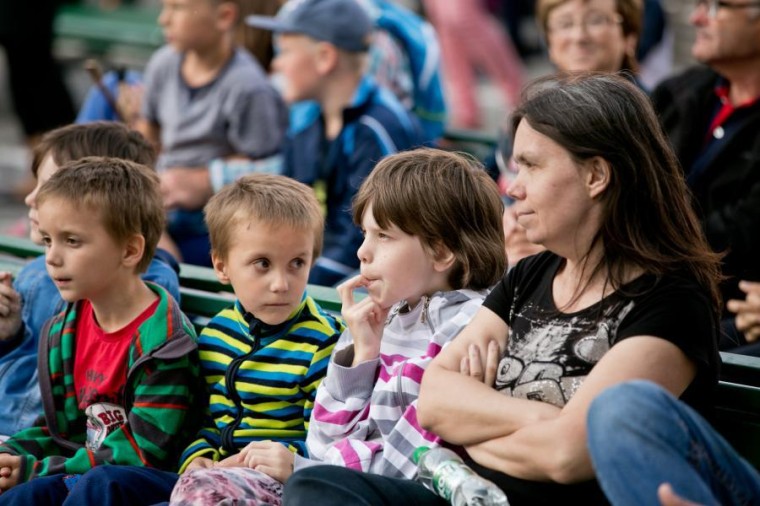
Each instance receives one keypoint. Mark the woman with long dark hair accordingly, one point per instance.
(626, 289)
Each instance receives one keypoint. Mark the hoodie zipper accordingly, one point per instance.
(424, 318)
(228, 439)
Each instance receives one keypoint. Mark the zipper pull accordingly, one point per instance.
(425, 305)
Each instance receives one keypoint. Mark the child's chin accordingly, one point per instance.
(383, 304)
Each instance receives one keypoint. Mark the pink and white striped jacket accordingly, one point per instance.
(365, 417)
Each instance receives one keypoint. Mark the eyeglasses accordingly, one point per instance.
(713, 5)
(593, 23)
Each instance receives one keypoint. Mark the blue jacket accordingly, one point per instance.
(19, 390)
(420, 44)
(374, 125)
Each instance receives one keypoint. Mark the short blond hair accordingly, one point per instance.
(125, 194)
(273, 199)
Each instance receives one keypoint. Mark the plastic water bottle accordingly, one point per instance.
(443, 471)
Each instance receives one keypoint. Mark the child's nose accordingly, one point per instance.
(51, 256)
(30, 199)
(279, 282)
(363, 252)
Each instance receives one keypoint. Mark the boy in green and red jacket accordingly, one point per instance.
(118, 367)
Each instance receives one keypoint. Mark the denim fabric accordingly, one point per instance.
(100, 486)
(641, 436)
(21, 403)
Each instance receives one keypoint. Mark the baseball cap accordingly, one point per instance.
(343, 23)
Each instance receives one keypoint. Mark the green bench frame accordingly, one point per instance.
(129, 30)
(737, 398)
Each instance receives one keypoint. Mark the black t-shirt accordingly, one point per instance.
(550, 353)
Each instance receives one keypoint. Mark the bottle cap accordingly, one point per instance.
(418, 453)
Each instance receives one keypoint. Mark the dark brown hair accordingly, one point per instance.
(100, 138)
(648, 220)
(125, 194)
(443, 198)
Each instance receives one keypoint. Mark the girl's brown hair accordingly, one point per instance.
(443, 198)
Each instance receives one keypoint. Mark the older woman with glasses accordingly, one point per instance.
(581, 35)
(591, 35)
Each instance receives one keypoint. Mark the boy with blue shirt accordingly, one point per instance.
(341, 123)
(33, 298)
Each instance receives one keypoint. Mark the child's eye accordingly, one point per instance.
(46, 241)
(72, 241)
(383, 235)
(261, 263)
(298, 263)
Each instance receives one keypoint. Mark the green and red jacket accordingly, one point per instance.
(161, 398)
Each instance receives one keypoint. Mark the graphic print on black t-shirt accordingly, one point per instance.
(550, 354)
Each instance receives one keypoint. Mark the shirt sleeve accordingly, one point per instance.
(257, 120)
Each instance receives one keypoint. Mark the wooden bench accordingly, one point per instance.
(737, 398)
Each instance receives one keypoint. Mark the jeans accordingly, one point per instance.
(640, 436)
(102, 485)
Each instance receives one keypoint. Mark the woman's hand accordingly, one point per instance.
(472, 363)
(365, 319)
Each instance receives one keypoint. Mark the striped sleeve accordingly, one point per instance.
(365, 416)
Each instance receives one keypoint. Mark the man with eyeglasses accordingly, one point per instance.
(643, 440)
(711, 113)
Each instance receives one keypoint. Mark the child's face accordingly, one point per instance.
(46, 169)
(396, 265)
(297, 63)
(268, 267)
(81, 256)
(189, 24)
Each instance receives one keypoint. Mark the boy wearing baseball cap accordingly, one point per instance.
(341, 122)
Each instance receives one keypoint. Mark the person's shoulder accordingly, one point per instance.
(167, 323)
(327, 325)
(694, 77)
(538, 262)
(162, 60)
(225, 322)
(444, 306)
(385, 118)
(244, 74)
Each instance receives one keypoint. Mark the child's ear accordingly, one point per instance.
(134, 249)
(326, 57)
(220, 268)
(443, 258)
(227, 15)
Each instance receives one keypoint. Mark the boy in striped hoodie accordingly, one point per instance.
(118, 368)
